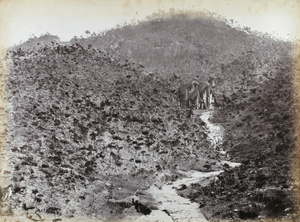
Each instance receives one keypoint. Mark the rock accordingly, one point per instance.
(131, 211)
(53, 210)
(288, 210)
(44, 165)
(141, 208)
(182, 187)
(35, 191)
(225, 166)
(207, 166)
(28, 205)
(146, 199)
(19, 186)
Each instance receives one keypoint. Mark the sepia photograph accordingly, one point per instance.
(139, 110)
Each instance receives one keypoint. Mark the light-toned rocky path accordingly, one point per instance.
(172, 207)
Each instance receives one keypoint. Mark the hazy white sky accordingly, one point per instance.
(66, 18)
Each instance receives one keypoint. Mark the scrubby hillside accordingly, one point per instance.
(88, 131)
(190, 44)
(36, 43)
(259, 134)
(91, 125)
(196, 44)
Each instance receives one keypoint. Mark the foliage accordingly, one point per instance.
(83, 120)
(196, 44)
(37, 42)
(94, 112)
(259, 126)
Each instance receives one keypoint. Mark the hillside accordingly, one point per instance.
(259, 134)
(36, 43)
(91, 126)
(196, 44)
(189, 44)
(85, 124)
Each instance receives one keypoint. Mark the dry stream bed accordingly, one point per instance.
(162, 196)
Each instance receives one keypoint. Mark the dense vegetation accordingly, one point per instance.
(197, 45)
(86, 124)
(88, 116)
(259, 134)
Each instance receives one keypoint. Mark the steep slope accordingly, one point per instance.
(259, 133)
(196, 44)
(89, 130)
(74, 106)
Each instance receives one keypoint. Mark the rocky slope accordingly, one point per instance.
(89, 130)
(259, 134)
